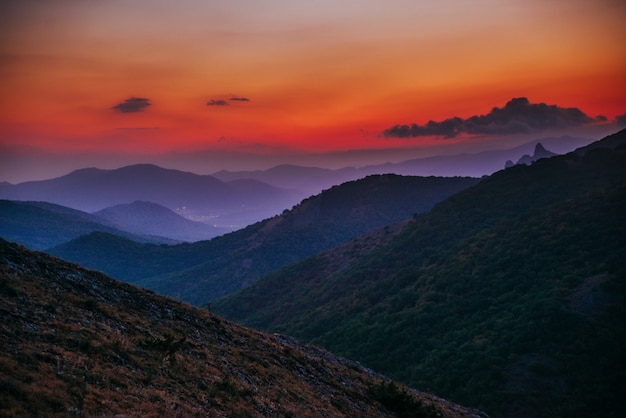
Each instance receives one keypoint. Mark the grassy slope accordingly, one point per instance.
(486, 299)
(75, 342)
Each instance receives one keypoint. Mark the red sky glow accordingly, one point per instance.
(282, 76)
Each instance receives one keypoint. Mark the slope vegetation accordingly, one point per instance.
(75, 342)
(509, 295)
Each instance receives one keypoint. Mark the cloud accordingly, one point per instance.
(132, 105)
(516, 117)
(219, 102)
(621, 120)
(240, 99)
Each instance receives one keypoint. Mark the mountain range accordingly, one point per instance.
(312, 180)
(508, 295)
(42, 225)
(230, 204)
(233, 200)
(75, 342)
(203, 271)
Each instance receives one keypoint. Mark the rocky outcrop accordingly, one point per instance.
(539, 153)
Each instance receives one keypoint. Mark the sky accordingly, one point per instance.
(243, 84)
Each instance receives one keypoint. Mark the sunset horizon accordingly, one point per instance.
(251, 86)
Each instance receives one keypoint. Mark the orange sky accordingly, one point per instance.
(319, 76)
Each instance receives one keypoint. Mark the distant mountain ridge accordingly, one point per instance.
(75, 342)
(227, 203)
(233, 200)
(312, 180)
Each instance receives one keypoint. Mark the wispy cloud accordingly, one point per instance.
(218, 102)
(225, 102)
(132, 105)
(516, 117)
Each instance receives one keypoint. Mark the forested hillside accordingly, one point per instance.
(509, 295)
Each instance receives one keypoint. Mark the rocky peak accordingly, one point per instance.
(539, 153)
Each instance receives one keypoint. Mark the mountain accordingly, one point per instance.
(306, 181)
(149, 218)
(41, 225)
(290, 176)
(482, 163)
(312, 180)
(540, 152)
(200, 272)
(508, 295)
(75, 342)
(235, 203)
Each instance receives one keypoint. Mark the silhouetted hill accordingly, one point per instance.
(41, 225)
(205, 197)
(151, 219)
(610, 142)
(508, 295)
(203, 271)
(75, 342)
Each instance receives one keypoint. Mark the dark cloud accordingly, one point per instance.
(219, 102)
(239, 99)
(516, 117)
(621, 120)
(132, 105)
